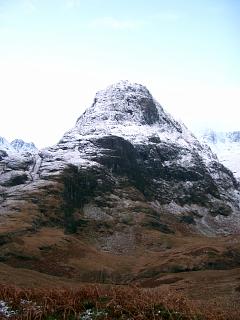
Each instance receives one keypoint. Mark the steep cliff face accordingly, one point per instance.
(124, 157)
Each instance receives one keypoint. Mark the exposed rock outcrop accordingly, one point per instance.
(125, 157)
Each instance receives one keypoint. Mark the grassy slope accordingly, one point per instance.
(163, 262)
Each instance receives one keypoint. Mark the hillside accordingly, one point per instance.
(127, 196)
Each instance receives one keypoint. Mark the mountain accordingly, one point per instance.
(226, 145)
(15, 160)
(17, 146)
(21, 146)
(128, 194)
(126, 140)
(5, 145)
(215, 137)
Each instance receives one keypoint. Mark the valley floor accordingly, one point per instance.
(203, 271)
(215, 294)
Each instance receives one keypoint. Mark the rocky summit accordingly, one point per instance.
(127, 179)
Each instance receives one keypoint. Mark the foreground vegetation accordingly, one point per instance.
(95, 302)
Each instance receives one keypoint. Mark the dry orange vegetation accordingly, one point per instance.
(164, 266)
(102, 302)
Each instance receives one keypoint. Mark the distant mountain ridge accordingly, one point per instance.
(214, 137)
(226, 145)
(17, 146)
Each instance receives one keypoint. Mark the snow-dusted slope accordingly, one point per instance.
(227, 147)
(128, 132)
(128, 110)
(125, 153)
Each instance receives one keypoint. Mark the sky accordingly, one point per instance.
(56, 54)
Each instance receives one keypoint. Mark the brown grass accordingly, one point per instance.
(102, 302)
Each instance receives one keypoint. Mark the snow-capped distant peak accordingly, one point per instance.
(211, 136)
(17, 146)
(21, 146)
(227, 147)
(5, 145)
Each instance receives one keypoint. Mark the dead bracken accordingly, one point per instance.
(99, 302)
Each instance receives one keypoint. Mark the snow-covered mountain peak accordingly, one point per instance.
(124, 86)
(227, 147)
(5, 145)
(123, 102)
(21, 146)
(214, 137)
(17, 146)
(3, 141)
(128, 110)
(123, 90)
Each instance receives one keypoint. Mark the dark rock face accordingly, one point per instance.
(149, 110)
(80, 186)
(118, 155)
(3, 154)
(13, 178)
(124, 158)
(143, 166)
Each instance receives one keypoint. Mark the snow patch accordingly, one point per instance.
(5, 310)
